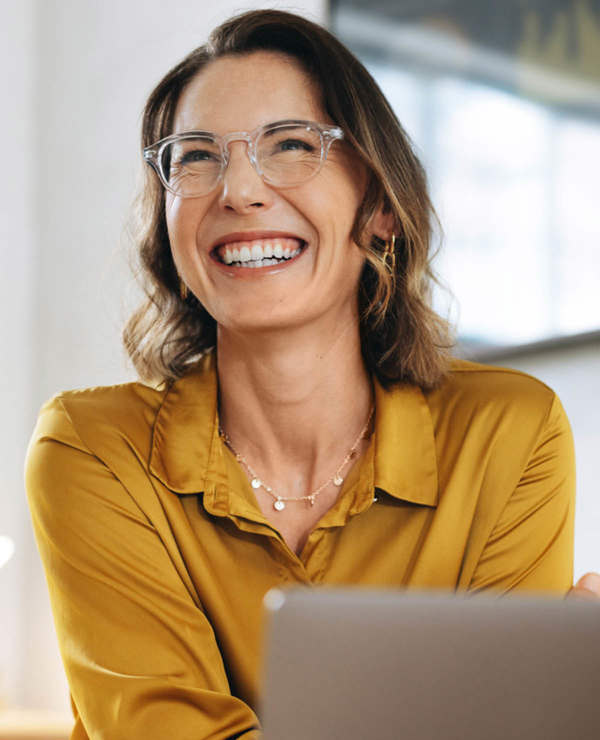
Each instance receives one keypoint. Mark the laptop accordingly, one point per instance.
(385, 665)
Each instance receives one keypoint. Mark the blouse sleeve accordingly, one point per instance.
(140, 655)
(530, 548)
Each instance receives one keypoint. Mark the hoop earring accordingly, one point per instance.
(183, 290)
(389, 254)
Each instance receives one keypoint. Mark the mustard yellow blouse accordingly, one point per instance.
(157, 556)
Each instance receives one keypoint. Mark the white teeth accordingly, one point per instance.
(260, 263)
(260, 252)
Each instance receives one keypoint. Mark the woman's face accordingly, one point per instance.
(240, 94)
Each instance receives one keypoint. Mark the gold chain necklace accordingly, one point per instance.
(279, 501)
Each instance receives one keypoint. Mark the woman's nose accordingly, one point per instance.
(242, 188)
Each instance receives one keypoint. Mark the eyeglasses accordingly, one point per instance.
(284, 153)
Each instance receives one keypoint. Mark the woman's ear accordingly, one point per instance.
(383, 223)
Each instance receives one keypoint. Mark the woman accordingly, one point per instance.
(300, 421)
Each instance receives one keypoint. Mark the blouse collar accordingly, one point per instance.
(187, 453)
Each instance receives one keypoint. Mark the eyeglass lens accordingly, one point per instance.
(285, 155)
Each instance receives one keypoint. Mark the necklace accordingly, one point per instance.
(279, 501)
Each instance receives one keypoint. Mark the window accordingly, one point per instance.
(512, 151)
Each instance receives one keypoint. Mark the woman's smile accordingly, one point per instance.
(264, 253)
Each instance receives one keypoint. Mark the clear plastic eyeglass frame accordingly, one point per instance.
(153, 154)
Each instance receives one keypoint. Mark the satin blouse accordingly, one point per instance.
(157, 556)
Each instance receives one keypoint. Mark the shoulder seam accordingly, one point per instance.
(476, 368)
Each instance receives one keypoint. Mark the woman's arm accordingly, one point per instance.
(140, 655)
(531, 546)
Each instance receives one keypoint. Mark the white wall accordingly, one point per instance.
(17, 294)
(75, 74)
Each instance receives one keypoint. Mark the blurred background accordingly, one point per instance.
(502, 101)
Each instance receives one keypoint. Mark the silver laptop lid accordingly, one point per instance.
(382, 665)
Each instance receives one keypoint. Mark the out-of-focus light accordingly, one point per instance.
(7, 548)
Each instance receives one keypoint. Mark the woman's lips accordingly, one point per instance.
(259, 253)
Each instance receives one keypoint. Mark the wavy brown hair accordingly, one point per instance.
(403, 339)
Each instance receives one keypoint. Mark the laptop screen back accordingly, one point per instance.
(382, 665)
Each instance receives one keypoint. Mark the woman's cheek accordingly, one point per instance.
(182, 225)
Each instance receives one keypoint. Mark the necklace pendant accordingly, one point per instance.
(338, 480)
(256, 483)
(279, 505)
(312, 500)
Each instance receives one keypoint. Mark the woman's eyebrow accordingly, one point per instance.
(196, 130)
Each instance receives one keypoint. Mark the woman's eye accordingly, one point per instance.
(290, 145)
(197, 155)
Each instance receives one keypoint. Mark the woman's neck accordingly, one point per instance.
(293, 402)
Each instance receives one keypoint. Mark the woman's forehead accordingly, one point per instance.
(242, 92)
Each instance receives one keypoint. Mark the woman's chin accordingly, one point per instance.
(260, 327)
(267, 320)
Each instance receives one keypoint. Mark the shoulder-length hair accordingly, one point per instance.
(403, 339)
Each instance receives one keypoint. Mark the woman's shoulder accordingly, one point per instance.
(86, 434)
(475, 388)
(87, 410)
(105, 419)
(493, 381)
(499, 412)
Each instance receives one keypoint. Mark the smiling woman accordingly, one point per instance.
(299, 419)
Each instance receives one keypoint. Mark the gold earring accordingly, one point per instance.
(183, 290)
(390, 252)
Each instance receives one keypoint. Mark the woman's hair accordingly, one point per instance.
(403, 339)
